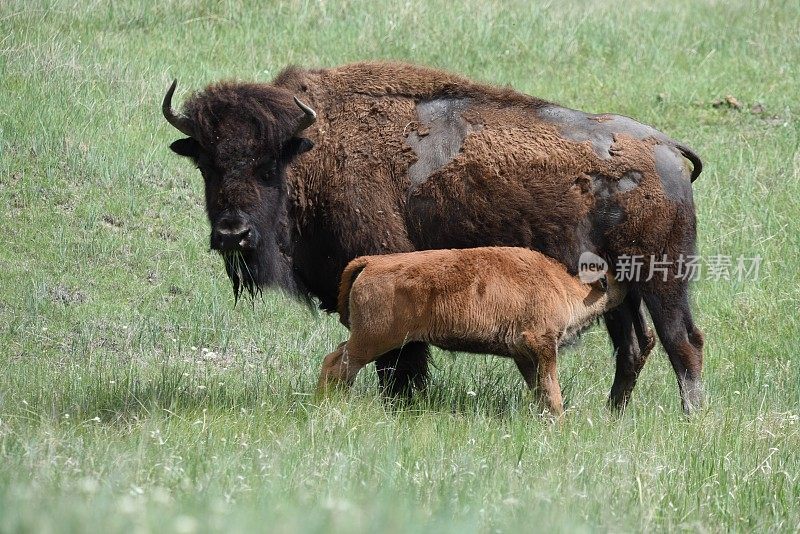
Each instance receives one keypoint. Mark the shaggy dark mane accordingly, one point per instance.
(264, 117)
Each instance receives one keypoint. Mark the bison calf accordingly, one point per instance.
(507, 301)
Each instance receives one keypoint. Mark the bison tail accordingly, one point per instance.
(694, 158)
(349, 276)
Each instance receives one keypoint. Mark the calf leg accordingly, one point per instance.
(528, 366)
(401, 370)
(682, 340)
(340, 367)
(633, 340)
(542, 349)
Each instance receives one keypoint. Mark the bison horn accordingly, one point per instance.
(178, 120)
(307, 118)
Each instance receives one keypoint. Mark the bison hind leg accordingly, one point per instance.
(682, 340)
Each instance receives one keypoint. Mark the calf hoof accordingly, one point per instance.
(549, 416)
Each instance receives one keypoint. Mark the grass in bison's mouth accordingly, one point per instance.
(242, 275)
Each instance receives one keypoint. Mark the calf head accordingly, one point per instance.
(613, 291)
(242, 137)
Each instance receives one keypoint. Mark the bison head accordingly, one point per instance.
(242, 137)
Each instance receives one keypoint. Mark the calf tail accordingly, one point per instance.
(349, 276)
(697, 165)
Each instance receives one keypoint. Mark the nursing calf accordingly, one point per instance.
(512, 302)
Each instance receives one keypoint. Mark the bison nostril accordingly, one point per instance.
(231, 226)
(240, 232)
(244, 237)
(231, 234)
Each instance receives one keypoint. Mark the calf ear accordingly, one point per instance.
(296, 146)
(186, 147)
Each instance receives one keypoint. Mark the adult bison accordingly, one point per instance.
(402, 158)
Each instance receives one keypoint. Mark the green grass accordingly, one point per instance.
(114, 415)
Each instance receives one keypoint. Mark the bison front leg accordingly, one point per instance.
(632, 340)
(402, 370)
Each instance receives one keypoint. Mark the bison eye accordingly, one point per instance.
(265, 167)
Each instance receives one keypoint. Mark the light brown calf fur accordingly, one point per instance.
(507, 301)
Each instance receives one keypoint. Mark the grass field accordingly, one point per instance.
(134, 395)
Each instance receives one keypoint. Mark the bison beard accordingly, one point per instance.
(265, 266)
(243, 271)
(251, 271)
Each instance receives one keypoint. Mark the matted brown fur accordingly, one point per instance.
(543, 178)
(526, 173)
(507, 301)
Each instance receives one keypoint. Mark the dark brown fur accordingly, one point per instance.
(512, 302)
(528, 173)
